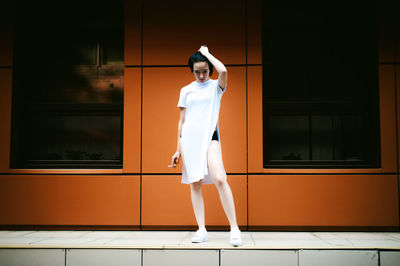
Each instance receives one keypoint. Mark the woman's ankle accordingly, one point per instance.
(234, 227)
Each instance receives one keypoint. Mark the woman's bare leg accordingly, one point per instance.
(198, 204)
(217, 172)
(197, 199)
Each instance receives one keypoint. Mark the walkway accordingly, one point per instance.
(150, 248)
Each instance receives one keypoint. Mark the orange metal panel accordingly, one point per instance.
(255, 111)
(396, 26)
(323, 200)
(132, 36)
(5, 118)
(323, 171)
(397, 42)
(166, 202)
(6, 34)
(161, 87)
(69, 200)
(386, 32)
(173, 30)
(386, 44)
(398, 111)
(387, 102)
(254, 28)
(233, 121)
(132, 120)
(66, 171)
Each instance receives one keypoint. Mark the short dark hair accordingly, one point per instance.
(198, 57)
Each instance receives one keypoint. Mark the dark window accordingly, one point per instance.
(68, 85)
(320, 86)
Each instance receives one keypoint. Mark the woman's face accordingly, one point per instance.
(201, 71)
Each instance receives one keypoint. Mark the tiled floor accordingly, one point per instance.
(181, 240)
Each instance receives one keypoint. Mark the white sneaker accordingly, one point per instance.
(200, 236)
(236, 239)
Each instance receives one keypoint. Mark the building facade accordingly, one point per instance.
(139, 191)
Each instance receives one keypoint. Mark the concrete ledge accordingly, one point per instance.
(218, 240)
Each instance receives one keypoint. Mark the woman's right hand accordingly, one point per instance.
(204, 50)
(175, 159)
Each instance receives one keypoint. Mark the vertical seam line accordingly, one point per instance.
(247, 120)
(397, 140)
(141, 110)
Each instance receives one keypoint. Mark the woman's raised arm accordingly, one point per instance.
(219, 66)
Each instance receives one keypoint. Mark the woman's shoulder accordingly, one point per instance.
(188, 87)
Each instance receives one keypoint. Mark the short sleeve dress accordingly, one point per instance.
(202, 102)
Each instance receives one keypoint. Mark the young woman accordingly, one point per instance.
(198, 140)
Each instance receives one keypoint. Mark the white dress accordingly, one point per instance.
(202, 102)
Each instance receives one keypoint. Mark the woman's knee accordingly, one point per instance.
(220, 181)
(196, 186)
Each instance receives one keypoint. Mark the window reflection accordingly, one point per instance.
(68, 85)
(320, 86)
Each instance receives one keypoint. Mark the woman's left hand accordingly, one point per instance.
(175, 159)
(204, 50)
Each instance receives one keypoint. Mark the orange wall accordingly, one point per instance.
(166, 202)
(159, 37)
(323, 200)
(6, 33)
(70, 200)
(172, 31)
(5, 118)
